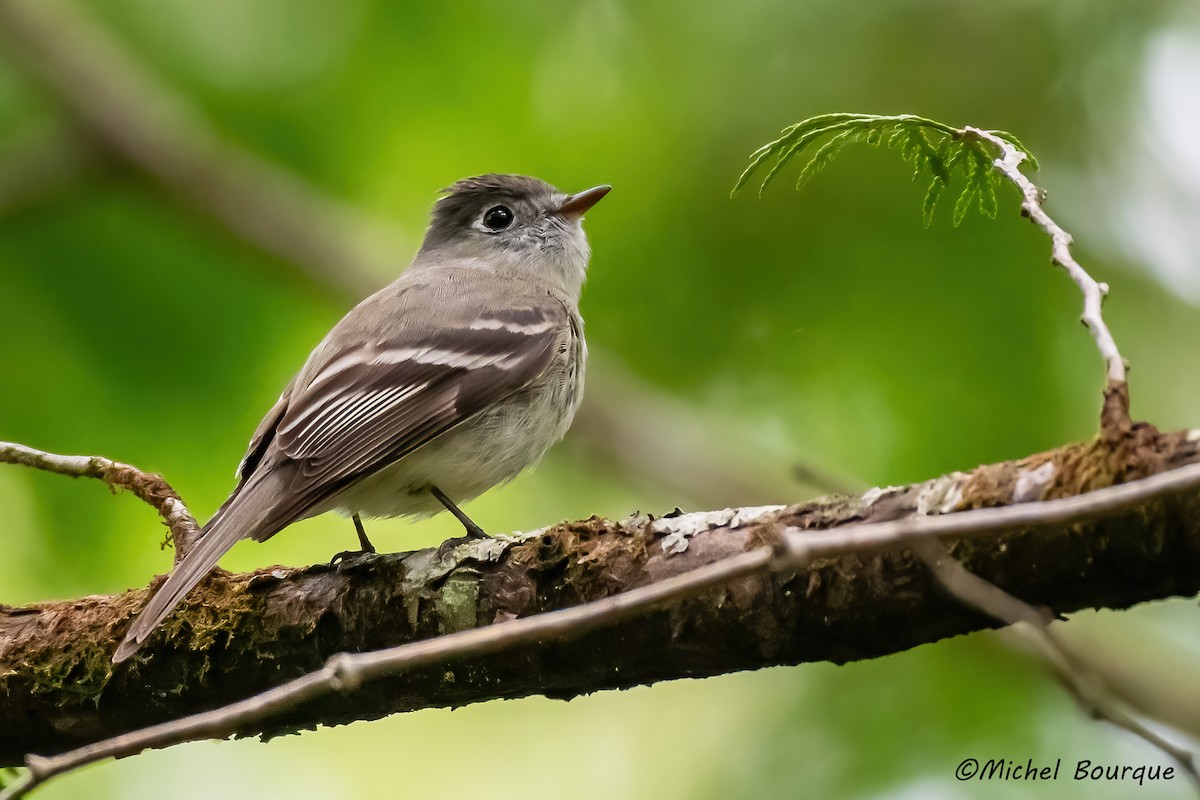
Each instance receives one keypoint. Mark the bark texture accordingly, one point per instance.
(239, 634)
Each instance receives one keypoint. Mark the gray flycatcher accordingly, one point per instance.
(449, 381)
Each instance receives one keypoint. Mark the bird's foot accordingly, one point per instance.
(349, 559)
(446, 547)
(473, 531)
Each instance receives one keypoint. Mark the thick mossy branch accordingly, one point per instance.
(934, 149)
(237, 635)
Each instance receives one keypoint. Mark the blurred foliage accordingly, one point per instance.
(835, 328)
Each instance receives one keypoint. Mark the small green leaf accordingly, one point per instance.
(931, 199)
(963, 205)
(935, 156)
(979, 176)
(957, 158)
(987, 200)
(910, 150)
(825, 153)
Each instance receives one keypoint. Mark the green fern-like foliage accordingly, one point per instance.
(934, 149)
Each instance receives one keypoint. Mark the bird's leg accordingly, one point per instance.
(363, 542)
(473, 530)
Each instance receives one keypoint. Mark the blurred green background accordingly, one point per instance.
(733, 339)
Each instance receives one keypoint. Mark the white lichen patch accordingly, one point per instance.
(1193, 435)
(873, 496)
(953, 499)
(941, 495)
(427, 567)
(677, 530)
(520, 536)
(1032, 483)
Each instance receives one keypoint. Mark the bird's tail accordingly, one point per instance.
(239, 518)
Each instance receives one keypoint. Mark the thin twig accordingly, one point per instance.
(20, 787)
(802, 546)
(345, 672)
(150, 488)
(1093, 292)
(1083, 683)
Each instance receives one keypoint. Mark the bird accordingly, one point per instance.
(451, 380)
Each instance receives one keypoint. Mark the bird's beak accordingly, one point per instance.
(574, 206)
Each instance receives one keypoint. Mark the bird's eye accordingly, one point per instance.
(498, 218)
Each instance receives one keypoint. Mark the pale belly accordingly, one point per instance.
(489, 449)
